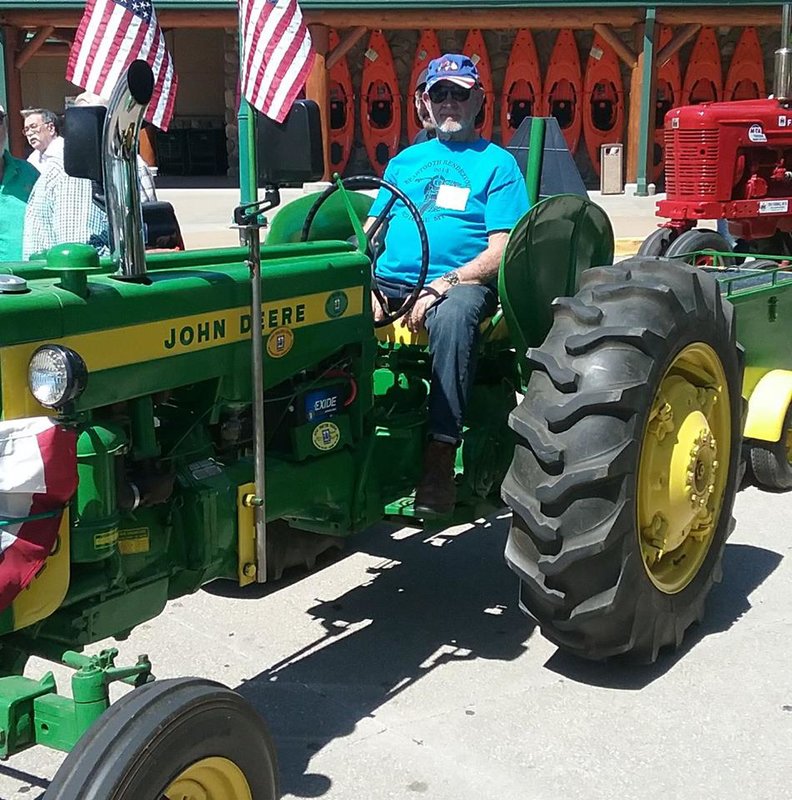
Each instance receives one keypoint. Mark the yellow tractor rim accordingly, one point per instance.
(685, 455)
(213, 778)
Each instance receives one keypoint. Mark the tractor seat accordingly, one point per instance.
(162, 231)
(493, 330)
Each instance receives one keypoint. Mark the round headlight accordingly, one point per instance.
(56, 375)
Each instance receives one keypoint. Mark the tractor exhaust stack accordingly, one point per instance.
(121, 134)
(783, 59)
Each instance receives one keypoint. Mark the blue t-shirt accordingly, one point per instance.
(463, 191)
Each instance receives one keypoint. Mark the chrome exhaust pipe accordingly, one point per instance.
(783, 59)
(120, 138)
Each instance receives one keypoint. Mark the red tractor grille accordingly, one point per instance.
(691, 162)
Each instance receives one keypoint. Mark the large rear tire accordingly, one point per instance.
(625, 470)
(181, 739)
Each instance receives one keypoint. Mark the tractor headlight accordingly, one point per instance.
(56, 375)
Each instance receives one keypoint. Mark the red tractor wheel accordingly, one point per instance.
(688, 246)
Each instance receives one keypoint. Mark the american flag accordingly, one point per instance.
(276, 54)
(112, 34)
(38, 476)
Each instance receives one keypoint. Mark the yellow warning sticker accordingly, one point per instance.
(134, 541)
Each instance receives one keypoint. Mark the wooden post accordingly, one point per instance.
(317, 85)
(640, 125)
(16, 138)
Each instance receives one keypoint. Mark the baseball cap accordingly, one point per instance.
(421, 82)
(454, 67)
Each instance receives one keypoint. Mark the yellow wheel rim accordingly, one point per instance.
(685, 455)
(213, 778)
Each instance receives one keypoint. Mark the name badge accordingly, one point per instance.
(454, 198)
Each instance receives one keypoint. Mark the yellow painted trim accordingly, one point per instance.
(767, 406)
(399, 333)
(48, 589)
(246, 536)
(136, 344)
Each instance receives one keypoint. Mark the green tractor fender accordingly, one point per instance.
(331, 222)
(548, 249)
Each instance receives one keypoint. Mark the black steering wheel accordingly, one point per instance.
(371, 182)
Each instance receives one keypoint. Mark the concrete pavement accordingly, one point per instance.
(205, 214)
(404, 669)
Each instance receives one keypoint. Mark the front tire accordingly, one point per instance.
(700, 239)
(657, 242)
(625, 471)
(180, 739)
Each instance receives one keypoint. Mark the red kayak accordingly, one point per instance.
(522, 85)
(603, 100)
(563, 88)
(381, 103)
(342, 111)
(428, 49)
(746, 77)
(703, 77)
(477, 50)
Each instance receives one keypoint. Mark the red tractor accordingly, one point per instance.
(729, 161)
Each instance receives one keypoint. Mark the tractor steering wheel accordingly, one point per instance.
(371, 182)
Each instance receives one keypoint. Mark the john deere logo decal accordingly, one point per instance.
(336, 304)
(326, 436)
(280, 341)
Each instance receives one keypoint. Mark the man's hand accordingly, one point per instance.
(432, 292)
(376, 307)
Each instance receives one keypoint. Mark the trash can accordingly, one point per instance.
(612, 168)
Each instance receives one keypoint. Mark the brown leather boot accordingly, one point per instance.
(436, 493)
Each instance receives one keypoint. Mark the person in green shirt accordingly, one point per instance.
(16, 183)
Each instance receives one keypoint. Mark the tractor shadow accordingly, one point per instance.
(745, 568)
(433, 599)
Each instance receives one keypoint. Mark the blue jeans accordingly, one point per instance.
(453, 327)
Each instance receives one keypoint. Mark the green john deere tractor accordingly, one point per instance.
(228, 413)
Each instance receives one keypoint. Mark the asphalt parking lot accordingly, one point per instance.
(403, 669)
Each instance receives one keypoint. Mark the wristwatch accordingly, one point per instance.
(451, 278)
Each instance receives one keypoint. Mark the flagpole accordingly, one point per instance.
(246, 125)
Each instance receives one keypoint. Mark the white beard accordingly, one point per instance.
(450, 126)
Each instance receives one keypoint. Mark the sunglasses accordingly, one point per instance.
(437, 94)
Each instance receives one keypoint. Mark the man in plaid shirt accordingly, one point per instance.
(62, 209)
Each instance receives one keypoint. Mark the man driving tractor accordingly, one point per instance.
(470, 193)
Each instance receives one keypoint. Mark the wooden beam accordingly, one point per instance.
(678, 41)
(317, 87)
(439, 19)
(624, 52)
(63, 35)
(33, 46)
(734, 16)
(349, 40)
(16, 137)
(54, 50)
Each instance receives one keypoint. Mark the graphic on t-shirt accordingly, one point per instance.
(441, 173)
